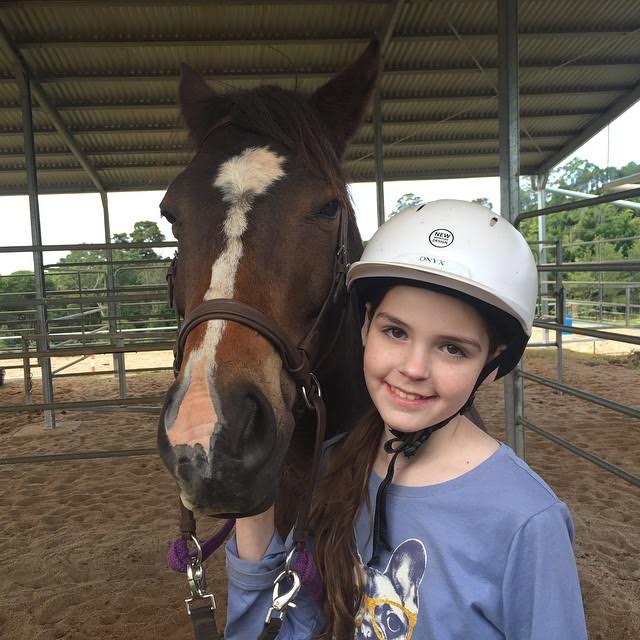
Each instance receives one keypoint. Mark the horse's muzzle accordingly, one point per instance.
(237, 473)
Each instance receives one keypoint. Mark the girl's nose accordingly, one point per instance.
(415, 364)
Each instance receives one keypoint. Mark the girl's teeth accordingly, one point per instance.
(406, 396)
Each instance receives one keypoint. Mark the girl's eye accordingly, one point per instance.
(395, 332)
(454, 350)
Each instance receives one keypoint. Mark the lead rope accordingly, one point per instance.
(201, 606)
(289, 579)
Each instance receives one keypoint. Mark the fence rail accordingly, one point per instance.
(516, 422)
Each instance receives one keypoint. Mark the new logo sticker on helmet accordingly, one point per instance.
(441, 238)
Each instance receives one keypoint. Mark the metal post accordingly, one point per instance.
(121, 371)
(36, 238)
(560, 307)
(539, 184)
(112, 307)
(379, 153)
(509, 132)
(26, 373)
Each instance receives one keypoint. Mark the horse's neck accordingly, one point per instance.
(341, 376)
(345, 398)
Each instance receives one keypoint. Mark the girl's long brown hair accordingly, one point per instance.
(342, 491)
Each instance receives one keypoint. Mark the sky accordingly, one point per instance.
(70, 219)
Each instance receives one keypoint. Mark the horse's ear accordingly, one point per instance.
(198, 102)
(343, 101)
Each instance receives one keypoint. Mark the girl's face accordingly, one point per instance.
(423, 354)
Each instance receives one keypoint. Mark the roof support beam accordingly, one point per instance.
(167, 128)
(545, 140)
(509, 127)
(171, 104)
(387, 28)
(45, 4)
(212, 41)
(323, 75)
(618, 108)
(42, 323)
(37, 90)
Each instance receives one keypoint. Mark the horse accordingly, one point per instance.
(263, 219)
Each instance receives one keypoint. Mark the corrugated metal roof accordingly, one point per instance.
(111, 72)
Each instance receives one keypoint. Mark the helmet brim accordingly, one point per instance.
(367, 270)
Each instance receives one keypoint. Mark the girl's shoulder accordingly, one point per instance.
(503, 485)
(514, 486)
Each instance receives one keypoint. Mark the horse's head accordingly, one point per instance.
(258, 215)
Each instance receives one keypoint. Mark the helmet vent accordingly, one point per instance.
(493, 221)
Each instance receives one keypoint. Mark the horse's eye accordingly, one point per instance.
(330, 210)
(171, 219)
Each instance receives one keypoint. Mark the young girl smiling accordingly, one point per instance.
(424, 526)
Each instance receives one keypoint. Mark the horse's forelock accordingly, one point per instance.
(287, 118)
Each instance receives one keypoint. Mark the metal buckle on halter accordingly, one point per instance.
(282, 601)
(197, 580)
(314, 390)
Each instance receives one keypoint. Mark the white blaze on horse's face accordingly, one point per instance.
(240, 179)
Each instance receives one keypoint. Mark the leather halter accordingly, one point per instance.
(295, 358)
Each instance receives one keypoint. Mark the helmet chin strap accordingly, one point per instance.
(408, 444)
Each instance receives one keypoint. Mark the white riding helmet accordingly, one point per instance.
(459, 245)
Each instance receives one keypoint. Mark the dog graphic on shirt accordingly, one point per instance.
(390, 603)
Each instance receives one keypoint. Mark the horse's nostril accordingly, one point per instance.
(251, 428)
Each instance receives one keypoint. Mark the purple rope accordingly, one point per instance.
(178, 555)
(304, 565)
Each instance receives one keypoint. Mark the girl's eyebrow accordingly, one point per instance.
(387, 317)
(463, 339)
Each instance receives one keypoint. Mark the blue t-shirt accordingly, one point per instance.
(484, 556)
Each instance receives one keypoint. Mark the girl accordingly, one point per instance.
(425, 527)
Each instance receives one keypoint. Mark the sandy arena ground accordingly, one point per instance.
(84, 541)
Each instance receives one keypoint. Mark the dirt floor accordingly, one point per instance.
(84, 541)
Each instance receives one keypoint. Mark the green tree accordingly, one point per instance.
(485, 202)
(147, 231)
(602, 233)
(17, 315)
(404, 202)
(133, 267)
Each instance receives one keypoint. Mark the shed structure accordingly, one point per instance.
(104, 77)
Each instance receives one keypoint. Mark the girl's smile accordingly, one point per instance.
(405, 397)
(424, 351)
